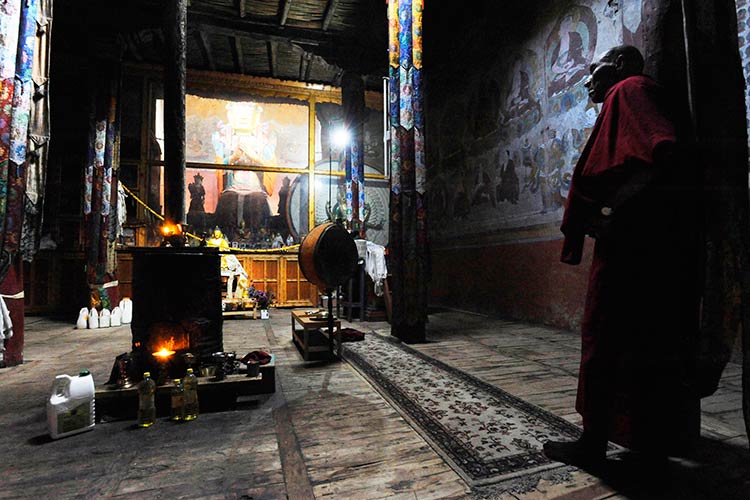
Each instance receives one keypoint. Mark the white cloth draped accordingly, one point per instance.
(6, 327)
(375, 266)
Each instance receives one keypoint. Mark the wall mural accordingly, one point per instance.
(330, 204)
(329, 117)
(522, 108)
(516, 172)
(249, 132)
(570, 49)
(743, 28)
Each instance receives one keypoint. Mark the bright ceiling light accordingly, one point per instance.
(340, 137)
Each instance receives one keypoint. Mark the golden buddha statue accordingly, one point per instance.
(231, 266)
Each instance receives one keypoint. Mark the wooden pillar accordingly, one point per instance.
(175, 26)
(353, 100)
(691, 46)
(718, 87)
(409, 255)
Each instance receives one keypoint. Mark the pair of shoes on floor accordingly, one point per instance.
(583, 452)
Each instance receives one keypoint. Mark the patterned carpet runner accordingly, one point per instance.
(484, 433)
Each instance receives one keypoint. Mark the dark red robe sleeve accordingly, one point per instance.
(634, 122)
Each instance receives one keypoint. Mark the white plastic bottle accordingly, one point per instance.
(71, 406)
(127, 310)
(116, 319)
(104, 318)
(93, 318)
(83, 319)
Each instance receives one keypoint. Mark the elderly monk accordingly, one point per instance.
(635, 191)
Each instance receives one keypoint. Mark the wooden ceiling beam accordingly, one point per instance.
(308, 68)
(304, 65)
(205, 48)
(284, 11)
(241, 7)
(337, 77)
(330, 10)
(220, 25)
(235, 43)
(272, 57)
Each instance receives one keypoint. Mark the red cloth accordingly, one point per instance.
(640, 324)
(632, 124)
(12, 285)
(257, 357)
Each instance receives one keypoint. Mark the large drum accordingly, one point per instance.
(328, 256)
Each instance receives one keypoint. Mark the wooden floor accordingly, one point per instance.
(325, 433)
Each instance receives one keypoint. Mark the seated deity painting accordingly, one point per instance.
(252, 132)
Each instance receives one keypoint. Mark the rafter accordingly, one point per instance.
(219, 25)
(235, 43)
(272, 48)
(205, 48)
(284, 11)
(241, 8)
(337, 77)
(304, 65)
(308, 69)
(330, 10)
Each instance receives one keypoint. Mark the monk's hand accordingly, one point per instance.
(600, 224)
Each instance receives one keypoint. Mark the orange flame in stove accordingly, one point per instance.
(169, 229)
(166, 350)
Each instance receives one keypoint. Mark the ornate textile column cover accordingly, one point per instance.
(353, 99)
(100, 198)
(409, 257)
(706, 52)
(18, 26)
(39, 135)
(175, 26)
(10, 16)
(22, 93)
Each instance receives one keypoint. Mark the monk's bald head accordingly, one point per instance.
(613, 66)
(628, 59)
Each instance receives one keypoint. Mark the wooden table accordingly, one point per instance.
(240, 307)
(113, 403)
(314, 329)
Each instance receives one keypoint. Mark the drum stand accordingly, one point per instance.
(337, 354)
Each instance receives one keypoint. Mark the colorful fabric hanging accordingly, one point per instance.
(353, 94)
(39, 135)
(10, 17)
(409, 257)
(100, 202)
(19, 127)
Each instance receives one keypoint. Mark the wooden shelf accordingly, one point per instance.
(313, 338)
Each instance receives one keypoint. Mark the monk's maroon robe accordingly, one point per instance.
(640, 324)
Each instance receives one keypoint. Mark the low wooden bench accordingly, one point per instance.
(312, 337)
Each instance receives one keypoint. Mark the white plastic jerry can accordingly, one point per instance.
(126, 305)
(83, 319)
(116, 319)
(105, 318)
(70, 407)
(93, 318)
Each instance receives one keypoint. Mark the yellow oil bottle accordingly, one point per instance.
(146, 406)
(178, 401)
(190, 383)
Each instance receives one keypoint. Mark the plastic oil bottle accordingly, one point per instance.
(70, 407)
(178, 401)
(190, 384)
(146, 406)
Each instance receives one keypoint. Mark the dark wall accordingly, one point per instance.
(521, 280)
(508, 115)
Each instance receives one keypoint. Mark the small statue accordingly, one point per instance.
(197, 194)
(230, 264)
